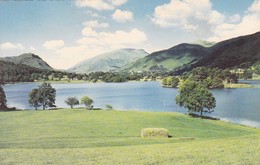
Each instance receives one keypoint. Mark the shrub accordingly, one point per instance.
(109, 107)
(154, 133)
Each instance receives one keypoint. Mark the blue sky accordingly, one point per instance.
(66, 32)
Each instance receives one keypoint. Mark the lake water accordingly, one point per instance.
(235, 105)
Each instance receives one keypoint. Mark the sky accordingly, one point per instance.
(66, 32)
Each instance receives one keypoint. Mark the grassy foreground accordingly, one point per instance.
(113, 137)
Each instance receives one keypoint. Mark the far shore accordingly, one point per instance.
(238, 85)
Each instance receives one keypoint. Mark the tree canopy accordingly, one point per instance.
(44, 96)
(34, 98)
(3, 100)
(171, 81)
(87, 102)
(72, 101)
(195, 97)
(211, 77)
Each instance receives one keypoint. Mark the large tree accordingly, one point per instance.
(44, 96)
(34, 98)
(3, 100)
(72, 101)
(87, 102)
(195, 97)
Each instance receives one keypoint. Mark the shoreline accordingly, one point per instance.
(226, 86)
(205, 117)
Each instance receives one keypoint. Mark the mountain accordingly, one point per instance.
(174, 57)
(242, 51)
(28, 59)
(109, 61)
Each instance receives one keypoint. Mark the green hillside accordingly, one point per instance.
(113, 137)
(240, 52)
(171, 58)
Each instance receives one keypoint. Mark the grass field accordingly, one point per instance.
(113, 137)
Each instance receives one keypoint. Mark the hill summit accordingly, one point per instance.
(28, 59)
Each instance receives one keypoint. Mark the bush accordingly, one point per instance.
(109, 107)
(154, 133)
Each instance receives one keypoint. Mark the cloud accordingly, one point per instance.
(32, 49)
(134, 36)
(95, 42)
(250, 23)
(72, 55)
(95, 24)
(255, 7)
(189, 15)
(234, 18)
(53, 44)
(122, 16)
(9, 46)
(89, 32)
(109, 39)
(118, 2)
(199, 18)
(100, 4)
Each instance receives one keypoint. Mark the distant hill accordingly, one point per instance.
(169, 59)
(242, 51)
(109, 61)
(28, 59)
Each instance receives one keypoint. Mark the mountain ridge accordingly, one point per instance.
(242, 50)
(173, 57)
(29, 59)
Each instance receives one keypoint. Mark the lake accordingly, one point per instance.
(234, 105)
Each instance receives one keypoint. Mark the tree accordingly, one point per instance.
(169, 81)
(87, 102)
(175, 82)
(3, 100)
(195, 97)
(43, 96)
(34, 99)
(164, 81)
(72, 101)
(47, 95)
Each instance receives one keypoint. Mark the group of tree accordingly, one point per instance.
(209, 77)
(194, 91)
(212, 77)
(171, 81)
(44, 95)
(73, 101)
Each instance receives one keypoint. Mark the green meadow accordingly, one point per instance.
(81, 136)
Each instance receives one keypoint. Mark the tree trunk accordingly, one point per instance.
(201, 114)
